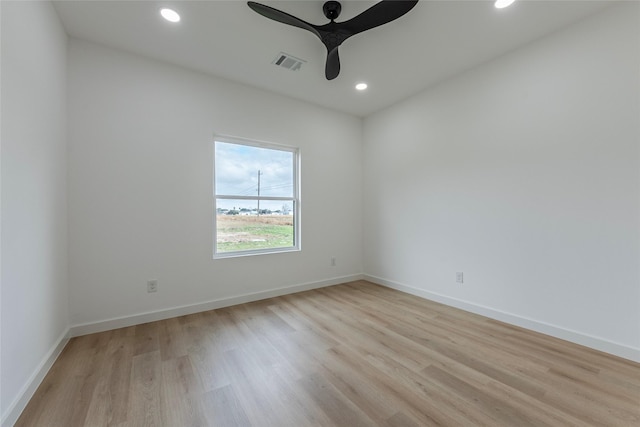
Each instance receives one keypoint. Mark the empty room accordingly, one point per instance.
(320, 213)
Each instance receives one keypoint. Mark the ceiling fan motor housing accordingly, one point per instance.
(332, 9)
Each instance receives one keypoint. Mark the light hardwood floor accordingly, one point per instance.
(351, 355)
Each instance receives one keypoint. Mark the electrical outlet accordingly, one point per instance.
(333, 261)
(459, 277)
(152, 286)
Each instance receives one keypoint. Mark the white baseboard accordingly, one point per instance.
(586, 340)
(14, 410)
(152, 316)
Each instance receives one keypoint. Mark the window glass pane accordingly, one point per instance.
(256, 198)
(240, 227)
(245, 170)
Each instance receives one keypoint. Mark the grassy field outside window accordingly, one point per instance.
(240, 232)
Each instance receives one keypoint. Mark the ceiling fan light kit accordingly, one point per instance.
(334, 33)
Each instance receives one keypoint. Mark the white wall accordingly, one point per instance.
(523, 174)
(140, 186)
(34, 197)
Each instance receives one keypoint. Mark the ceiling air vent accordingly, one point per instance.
(287, 61)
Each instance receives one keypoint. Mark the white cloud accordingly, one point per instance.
(237, 166)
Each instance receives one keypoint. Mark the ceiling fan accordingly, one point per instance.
(334, 33)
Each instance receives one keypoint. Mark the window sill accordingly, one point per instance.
(239, 254)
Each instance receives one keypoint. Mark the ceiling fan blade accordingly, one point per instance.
(378, 14)
(280, 16)
(332, 67)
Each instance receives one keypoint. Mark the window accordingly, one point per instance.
(257, 206)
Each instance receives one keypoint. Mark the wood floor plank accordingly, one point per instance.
(99, 409)
(144, 402)
(356, 354)
(223, 408)
(499, 410)
(339, 409)
(400, 419)
(172, 339)
(262, 396)
(180, 394)
(119, 363)
(147, 337)
(206, 358)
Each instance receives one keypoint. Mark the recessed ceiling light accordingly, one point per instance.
(501, 4)
(170, 15)
(361, 86)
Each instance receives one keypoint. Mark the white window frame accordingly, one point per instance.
(295, 199)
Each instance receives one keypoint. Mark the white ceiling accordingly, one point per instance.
(435, 40)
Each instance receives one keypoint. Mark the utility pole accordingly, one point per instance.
(259, 173)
